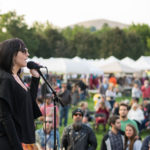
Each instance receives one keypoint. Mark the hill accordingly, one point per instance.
(98, 24)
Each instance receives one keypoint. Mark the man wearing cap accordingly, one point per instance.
(78, 136)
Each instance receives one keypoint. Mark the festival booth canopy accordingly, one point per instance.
(93, 67)
(110, 60)
(143, 63)
(128, 61)
(117, 67)
(66, 66)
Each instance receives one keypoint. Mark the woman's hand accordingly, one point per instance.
(34, 73)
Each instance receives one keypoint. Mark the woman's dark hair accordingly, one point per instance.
(132, 139)
(8, 49)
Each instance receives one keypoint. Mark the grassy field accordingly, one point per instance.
(100, 132)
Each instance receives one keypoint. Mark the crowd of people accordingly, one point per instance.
(132, 115)
(25, 99)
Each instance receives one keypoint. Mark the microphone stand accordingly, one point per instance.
(55, 99)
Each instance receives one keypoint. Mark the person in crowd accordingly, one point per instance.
(54, 84)
(18, 107)
(133, 101)
(123, 112)
(86, 121)
(78, 136)
(93, 82)
(45, 135)
(115, 110)
(75, 95)
(136, 114)
(66, 99)
(101, 115)
(103, 86)
(102, 98)
(146, 143)
(144, 77)
(111, 95)
(131, 140)
(137, 80)
(114, 138)
(69, 85)
(82, 89)
(44, 87)
(136, 91)
(146, 90)
(86, 111)
(118, 90)
(112, 79)
(47, 109)
(146, 110)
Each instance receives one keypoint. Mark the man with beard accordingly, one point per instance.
(123, 112)
(78, 136)
(114, 139)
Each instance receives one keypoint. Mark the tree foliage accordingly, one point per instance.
(45, 40)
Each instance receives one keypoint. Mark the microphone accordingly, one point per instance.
(33, 65)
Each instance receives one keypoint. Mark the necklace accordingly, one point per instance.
(19, 81)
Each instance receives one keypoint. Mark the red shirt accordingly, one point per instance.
(145, 91)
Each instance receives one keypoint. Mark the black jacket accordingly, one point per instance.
(146, 143)
(65, 97)
(84, 139)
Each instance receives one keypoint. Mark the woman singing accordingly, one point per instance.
(18, 108)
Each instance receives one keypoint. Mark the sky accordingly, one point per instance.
(62, 13)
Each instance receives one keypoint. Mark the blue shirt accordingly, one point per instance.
(40, 138)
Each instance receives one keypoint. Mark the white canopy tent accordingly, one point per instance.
(110, 60)
(66, 66)
(117, 67)
(93, 68)
(128, 61)
(143, 63)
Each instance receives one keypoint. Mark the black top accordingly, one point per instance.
(83, 139)
(21, 106)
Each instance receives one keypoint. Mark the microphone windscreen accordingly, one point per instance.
(32, 65)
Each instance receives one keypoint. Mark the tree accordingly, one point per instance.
(87, 45)
(143, 31)
(113, 43)
(16, 27)
(56, 43)
(135, 45)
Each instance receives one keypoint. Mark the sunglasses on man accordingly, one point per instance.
(48, 121)
(77, 114)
